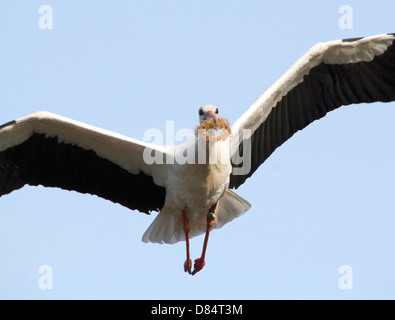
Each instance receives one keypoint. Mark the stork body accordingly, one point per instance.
(193, 189)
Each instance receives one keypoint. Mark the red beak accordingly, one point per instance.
(211, 115)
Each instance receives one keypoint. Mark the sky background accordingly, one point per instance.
(323, 200)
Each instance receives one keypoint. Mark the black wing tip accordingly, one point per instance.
(359, 38)
(7, 124)
(352, 39)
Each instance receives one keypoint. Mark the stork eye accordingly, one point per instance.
(216, 111)
(201, 112)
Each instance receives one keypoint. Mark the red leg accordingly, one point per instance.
(187, 228)
(200, 263)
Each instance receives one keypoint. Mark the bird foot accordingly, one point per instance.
(188, 266)
(199, 264)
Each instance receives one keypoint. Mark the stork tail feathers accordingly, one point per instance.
(231, 206)
(168, 228)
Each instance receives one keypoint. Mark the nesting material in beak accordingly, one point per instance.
(218, 128)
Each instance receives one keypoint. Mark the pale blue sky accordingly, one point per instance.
(323, 200)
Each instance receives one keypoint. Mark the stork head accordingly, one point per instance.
(206, 112)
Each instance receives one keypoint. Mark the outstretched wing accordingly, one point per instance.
(329, 75)
(53, 151)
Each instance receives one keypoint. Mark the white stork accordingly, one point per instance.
(195, 195)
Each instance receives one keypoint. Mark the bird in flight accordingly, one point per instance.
(191, 183)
